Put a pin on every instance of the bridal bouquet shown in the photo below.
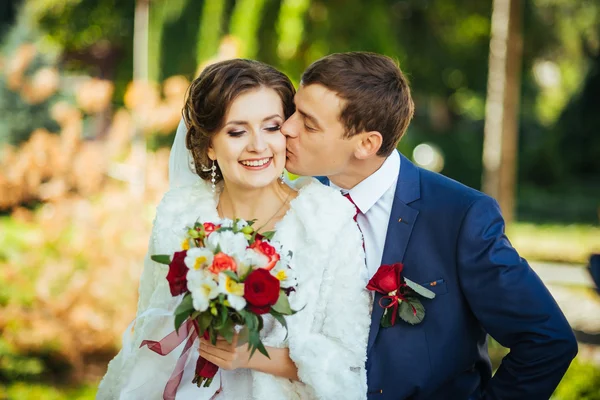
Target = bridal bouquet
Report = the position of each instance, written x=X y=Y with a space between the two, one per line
x=230 y=276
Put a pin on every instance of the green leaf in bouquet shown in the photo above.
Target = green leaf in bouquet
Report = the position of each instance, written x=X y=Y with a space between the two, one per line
x=261 y=323
x=227 y=331
x=411 y=310
x=386 y=319
x=283 y=304
x=253 y=339
x=161 y=259
x=256 y=344
x=251 y=222
x=232 y=275
x=224 y=313
x=262 y=349
x=250 y=319
x=194 y=234
x=419 y=289
x=204 y=321
x=212 y=334
x=268 y=235
x=183 y=310
x=281 y=319
x=243 y=336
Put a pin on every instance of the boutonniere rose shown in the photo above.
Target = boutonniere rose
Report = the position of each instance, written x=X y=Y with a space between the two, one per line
x=401 y=295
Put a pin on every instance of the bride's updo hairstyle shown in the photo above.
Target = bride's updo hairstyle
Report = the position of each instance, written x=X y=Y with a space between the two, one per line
x=210 y=95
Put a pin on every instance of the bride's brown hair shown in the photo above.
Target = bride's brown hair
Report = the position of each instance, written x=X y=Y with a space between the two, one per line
x=210 y=95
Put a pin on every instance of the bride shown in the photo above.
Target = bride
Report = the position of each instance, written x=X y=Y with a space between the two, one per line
x=233 y=114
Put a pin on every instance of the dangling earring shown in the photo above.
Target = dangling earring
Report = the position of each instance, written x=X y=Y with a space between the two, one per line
x=282 y=177
x=213 y=176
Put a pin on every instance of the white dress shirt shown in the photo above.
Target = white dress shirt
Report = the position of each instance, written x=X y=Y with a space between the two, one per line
x=374 y=198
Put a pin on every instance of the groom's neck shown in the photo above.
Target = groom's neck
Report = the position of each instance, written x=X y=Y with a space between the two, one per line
x=356 y=172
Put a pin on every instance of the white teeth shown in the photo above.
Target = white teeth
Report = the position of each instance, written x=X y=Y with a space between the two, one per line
x=257 y=163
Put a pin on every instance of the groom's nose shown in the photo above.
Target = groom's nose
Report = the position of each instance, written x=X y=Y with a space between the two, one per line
x=289 y=127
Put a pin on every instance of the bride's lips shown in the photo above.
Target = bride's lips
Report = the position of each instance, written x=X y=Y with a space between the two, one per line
x=263 y=163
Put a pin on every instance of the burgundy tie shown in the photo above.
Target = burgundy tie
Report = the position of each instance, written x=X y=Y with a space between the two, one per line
x=347 y=195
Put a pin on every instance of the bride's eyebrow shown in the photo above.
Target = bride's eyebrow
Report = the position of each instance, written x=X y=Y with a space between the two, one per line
x=247 y=123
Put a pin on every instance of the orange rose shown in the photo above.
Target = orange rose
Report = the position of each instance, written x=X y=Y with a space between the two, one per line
x=222 y=262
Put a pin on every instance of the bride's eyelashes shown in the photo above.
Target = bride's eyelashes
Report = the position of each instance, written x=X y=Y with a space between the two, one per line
x=275 y=128
x=236 y=133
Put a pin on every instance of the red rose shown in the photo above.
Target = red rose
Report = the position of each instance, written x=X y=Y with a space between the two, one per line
x=222 y=262
x=176 y=275
x=205 y=372
x=261 y=291
x=267 y=250
x=209 y=228
x=386 y=279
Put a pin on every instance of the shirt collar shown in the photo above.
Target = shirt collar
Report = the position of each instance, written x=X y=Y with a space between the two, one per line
x=370 y=190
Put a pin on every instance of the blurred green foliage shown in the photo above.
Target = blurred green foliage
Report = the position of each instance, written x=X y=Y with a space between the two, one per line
x=581 y=382
x=20 y=118
x=442 y=45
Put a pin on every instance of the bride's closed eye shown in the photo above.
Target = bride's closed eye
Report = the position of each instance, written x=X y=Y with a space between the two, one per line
x=275 y=128
x=236 y=133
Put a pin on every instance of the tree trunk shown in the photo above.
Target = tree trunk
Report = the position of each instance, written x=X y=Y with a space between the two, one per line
x=502 y=104
x=140 y=74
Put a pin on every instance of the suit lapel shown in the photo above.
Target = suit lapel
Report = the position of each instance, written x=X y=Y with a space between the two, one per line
x=402 y=220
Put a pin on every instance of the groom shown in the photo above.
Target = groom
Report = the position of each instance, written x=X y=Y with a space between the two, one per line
x=352 y=110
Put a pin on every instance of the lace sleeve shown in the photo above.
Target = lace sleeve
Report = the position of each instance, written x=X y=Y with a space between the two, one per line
x=136 y=371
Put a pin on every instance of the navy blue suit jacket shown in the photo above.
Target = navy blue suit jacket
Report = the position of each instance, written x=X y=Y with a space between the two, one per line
x=451 y=239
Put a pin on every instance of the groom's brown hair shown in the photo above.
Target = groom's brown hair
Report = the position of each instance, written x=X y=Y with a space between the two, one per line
x=376 y=94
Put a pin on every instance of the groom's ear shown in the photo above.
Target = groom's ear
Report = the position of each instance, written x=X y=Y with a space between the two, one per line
x=367 y=144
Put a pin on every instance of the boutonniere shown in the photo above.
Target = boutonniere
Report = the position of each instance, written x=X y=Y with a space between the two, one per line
x=401 y=295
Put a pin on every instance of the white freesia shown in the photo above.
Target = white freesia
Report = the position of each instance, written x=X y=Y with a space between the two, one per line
x=198 y=258
x=285 y=275
x=253 y=258
x=203 y=288
x=226 y=222
x=232 y=244
x=233 y=290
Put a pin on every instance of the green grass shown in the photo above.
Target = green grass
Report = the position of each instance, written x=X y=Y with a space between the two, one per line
x=37 y=391
x=554 y=242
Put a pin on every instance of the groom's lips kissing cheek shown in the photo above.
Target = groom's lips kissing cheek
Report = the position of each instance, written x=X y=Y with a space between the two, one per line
x=257 y=164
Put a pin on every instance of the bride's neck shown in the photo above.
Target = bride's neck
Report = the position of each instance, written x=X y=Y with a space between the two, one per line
x=260 y=204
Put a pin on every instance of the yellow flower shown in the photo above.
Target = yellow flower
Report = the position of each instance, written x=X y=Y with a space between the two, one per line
x=185 y=245
x=199 y=262
x=281 y=275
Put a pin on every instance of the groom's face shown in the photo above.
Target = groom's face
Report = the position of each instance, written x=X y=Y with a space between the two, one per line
x=315 y=136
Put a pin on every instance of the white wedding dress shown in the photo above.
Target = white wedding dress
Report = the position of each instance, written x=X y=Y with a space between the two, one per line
x=327 y=339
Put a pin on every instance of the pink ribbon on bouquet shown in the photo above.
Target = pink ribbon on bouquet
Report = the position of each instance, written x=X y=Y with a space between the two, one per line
x=170 y=343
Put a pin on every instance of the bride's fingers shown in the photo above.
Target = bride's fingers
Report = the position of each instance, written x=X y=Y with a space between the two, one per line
x=220 y=352
x=218 y=349
x=221 y=344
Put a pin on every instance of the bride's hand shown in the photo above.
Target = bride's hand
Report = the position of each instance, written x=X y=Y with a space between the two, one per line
x=225 y=355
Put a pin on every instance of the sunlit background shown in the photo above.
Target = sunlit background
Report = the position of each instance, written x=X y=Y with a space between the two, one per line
x=507 y=101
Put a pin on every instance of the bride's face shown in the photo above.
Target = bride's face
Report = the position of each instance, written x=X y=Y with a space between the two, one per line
x=250 y=149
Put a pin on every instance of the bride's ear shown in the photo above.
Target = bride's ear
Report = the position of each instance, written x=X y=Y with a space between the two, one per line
x=211 y=153
x=367 y=144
